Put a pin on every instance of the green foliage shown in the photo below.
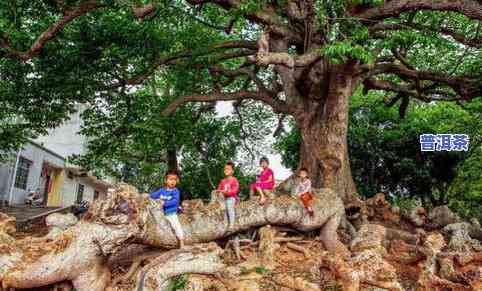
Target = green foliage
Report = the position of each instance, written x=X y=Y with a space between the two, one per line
x=333 y=286
x=288 y=145
x=386 y=154
x=250 y=6
x=404 y=203
x=258 y=269
x=129 y=133
x=385 y=151
x=177 y=283
x=261 y=270
x=339 y=52
x=465 y=193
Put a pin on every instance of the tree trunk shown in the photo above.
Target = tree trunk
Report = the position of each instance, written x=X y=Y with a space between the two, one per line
x=172 y=164
x=324 y=127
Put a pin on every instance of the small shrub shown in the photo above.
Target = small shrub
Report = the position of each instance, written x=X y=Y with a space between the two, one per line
x=261 y=270
x=178 y=283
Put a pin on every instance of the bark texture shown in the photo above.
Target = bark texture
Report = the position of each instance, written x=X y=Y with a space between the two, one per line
x=199 y=259
x=324 y=148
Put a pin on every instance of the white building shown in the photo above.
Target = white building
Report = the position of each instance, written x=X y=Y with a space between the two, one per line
x=65 y=140
x=42 y=165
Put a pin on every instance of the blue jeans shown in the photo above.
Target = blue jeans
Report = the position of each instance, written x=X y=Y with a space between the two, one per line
x=230 y=201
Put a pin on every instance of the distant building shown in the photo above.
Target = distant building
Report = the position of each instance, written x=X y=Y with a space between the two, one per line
x=36 y=168
x=65 y=139
x=42 y=165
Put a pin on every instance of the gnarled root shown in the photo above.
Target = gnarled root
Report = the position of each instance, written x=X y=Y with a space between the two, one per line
x=73 y=255
x=95 y=277
x=366 y=265
x=464 y=259
x=460 y=239
x=200 y=259
x=297 y=283
x=58 y=222
x=429 y=279
x=78 y=253
x=329 y=237
x=268 y=247
x=7 y=224
x=441 y=216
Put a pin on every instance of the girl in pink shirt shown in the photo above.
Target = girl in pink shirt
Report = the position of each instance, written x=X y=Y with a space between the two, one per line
x=229 y=186
x=265 y=180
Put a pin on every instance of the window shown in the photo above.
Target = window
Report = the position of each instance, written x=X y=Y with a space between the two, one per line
x=96 y=194
x=21 y=177
x=80 y=193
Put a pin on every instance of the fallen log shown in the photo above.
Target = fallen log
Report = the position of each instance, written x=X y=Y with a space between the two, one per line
x=79 y=253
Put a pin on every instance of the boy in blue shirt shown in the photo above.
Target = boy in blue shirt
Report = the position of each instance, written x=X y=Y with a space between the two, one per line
x=170 y=196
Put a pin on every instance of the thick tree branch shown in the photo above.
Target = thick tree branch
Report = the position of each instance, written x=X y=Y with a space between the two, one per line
x=374 y=84
x=406 y=90
x=470 y=8
x=277 y=105
x=262 y=17
x=239 y=72
x=48 y=34
x=402 y=59
x=280 y=127
x=466 y=86
x=472 y=42
x=290 y=61
x=246 y=48
x=142 y=12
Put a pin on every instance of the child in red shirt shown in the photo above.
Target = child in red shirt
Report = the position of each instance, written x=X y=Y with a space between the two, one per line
x=229 y=187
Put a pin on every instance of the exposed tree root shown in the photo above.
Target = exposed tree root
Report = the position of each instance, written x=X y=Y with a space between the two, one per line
x=114 y=236
x=268 y=247
x=297 y=283
x=298 y=248
x=136 y=263
x=79 y=252
x=464 y=259
x=460 y=239
x=7 y=224
x=200 y=259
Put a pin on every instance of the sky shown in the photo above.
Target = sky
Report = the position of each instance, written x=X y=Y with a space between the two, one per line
x=224 y=108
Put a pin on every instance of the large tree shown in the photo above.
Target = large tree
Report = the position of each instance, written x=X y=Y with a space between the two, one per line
x=302 y=58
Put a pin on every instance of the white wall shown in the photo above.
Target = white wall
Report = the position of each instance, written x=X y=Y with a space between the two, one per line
x=6 y=172
x=69 y=191
x=65 y=140
x=70 y=187
x=37 y=156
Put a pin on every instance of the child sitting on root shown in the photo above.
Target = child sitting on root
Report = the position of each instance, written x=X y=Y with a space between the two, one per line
x=303 y=190
x=229 y=187
x=170 y=196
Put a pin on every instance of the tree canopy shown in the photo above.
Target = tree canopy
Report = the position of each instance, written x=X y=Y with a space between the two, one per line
x=303 y=59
